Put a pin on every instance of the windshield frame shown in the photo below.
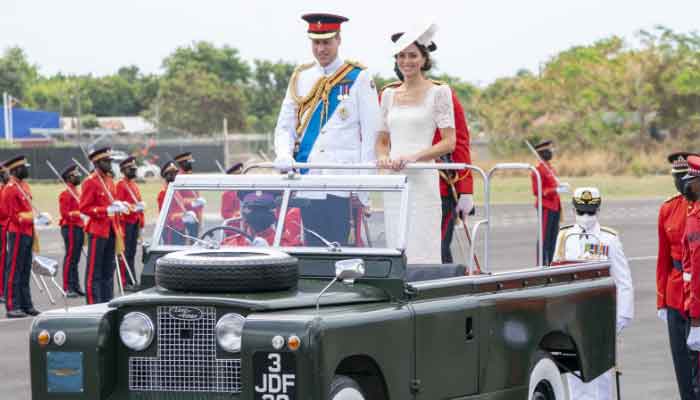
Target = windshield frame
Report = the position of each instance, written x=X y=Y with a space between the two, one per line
x=287 y=184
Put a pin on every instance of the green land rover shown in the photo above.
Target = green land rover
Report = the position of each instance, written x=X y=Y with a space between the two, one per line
x=281 y=312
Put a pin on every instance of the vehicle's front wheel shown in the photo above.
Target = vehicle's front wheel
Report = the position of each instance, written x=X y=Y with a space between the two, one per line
x=345 y=388
x=546 y=382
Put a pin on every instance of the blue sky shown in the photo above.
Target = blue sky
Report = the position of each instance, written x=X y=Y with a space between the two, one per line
x=478 y=41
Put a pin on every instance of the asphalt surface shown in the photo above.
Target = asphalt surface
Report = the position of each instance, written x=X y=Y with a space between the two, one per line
x=645 y=358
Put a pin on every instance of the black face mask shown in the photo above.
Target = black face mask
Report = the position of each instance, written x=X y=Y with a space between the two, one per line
x=546 y=154
x=130 y=173
x=259 y=218
x=678 y=182
x=688 y=192
x=186 y=166
x=104 y=165
x=74 y=180
x=170 y=177
x=22 y=172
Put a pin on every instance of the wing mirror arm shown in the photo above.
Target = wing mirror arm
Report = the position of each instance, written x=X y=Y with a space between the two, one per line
x=346 y=271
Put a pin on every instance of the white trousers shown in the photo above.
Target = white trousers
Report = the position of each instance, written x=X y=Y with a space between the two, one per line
x=601 y=388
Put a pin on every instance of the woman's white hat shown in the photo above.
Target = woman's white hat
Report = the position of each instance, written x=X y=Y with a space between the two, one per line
x=421 y=33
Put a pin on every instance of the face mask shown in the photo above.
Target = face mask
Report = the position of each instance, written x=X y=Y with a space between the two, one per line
x=74 y=180
x=130 y=173
x=587 y=222
x=546 y=155
x=22 y=173
x=678 y=182
x=169 y=177
x=186 y=166
x=259 y=218
x=105 y=166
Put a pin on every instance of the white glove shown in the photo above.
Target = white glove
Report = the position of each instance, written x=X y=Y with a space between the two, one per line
x=189 y=217
x=115 y=208
x=260 y=242
x=693 y=341
x=662 y=313
x=563 y=188
x=622 y=323
x=199 y=202
x=140 y=206
x=465 y=204
x=283 y=163
x=44 y=219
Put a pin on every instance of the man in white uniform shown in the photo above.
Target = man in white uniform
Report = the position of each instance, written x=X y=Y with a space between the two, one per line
x=587 y=240
x=330 y=114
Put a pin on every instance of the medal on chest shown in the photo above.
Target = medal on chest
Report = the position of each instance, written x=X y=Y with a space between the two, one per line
x=344 y=94
x=593 y=251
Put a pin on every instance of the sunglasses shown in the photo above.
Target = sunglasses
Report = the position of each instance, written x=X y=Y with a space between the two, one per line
x=591 y=213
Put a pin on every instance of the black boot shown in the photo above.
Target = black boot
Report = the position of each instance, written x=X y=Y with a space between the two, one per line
x=16 y=314
x=32 y=311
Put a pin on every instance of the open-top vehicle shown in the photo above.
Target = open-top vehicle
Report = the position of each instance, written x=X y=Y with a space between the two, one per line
x=280 y=312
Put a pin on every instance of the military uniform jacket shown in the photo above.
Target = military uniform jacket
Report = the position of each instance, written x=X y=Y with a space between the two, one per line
x=550 y=197
x=129 y=192
x=691 y=261
x=19 y=207
x=601 y=244
x=94 y=201
x=69 y=208
x=349 y=134
x=669 y=260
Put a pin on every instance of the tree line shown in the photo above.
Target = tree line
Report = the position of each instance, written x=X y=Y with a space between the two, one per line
x=610 y=92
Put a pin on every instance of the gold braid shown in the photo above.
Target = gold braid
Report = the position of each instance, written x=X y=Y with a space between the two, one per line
x=319 y=92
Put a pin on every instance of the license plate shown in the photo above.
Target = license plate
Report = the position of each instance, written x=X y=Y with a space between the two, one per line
x=275 y=376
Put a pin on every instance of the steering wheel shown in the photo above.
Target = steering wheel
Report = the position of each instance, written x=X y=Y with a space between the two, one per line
x=211 y=231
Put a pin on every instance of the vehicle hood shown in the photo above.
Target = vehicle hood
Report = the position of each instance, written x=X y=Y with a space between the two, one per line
x=304 y=295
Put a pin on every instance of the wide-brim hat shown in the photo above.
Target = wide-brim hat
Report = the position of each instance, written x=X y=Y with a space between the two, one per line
x=396 y=36
x=101 y=154
x=16 y=162
x=421 y=33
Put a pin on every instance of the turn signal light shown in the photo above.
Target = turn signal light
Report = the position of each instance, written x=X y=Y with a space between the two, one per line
x=293 y=343
x=44 y=338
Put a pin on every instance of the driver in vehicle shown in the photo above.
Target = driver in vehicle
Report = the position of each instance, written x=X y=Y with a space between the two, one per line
x=260 y=214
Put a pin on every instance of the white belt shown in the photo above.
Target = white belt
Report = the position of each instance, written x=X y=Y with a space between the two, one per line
x=686 y=277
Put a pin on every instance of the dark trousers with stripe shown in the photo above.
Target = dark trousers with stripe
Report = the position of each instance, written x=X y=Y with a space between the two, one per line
x=18 y=272
x=329 y=218
x=685 y=361
x=73 y=238
x=99 y=276
x=550 y=230
x=3 y=256
x=447 y=227
x=131 y=242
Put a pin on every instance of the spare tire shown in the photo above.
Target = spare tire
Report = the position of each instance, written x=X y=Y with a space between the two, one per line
x=228 y=270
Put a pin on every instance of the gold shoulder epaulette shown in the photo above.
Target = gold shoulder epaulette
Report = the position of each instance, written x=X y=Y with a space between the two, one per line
x=355 y=64
x=391 y=85
x=609 y=230
x=565 y=227
x=437 y=82
x=303 y=67
x=672 y=198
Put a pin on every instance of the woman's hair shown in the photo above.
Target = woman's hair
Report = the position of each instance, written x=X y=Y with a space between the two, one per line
x=424 y=51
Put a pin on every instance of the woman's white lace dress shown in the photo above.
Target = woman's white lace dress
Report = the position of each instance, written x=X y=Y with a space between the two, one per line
x=412 y=128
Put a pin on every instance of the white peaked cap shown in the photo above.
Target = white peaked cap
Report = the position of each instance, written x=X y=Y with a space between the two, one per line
x=595 y=193
x=421 y=33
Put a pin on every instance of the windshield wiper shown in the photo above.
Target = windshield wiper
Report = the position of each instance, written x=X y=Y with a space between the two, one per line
x=332 y=246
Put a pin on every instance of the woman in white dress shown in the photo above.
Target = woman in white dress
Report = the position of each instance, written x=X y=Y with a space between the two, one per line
x=410 y=114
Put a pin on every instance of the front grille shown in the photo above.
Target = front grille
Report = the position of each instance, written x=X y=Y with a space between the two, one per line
x=186 y=360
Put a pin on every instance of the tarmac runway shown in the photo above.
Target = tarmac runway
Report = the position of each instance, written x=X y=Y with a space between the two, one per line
x=645 y=358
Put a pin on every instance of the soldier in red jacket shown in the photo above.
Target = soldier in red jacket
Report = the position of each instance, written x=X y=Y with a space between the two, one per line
x=259 y=218
x=174 y=224
x=71 y=229
x=230 y=203
x=551 y=204
x=98 y=202
x=3 y=231
x=669 y=275
x=691 y=266
x=191 y=199
x=456 y=187
x=17 y=197
x=132 y=223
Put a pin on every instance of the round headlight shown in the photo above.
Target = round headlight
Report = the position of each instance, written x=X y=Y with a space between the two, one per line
x=136 y=331
x=229 y=330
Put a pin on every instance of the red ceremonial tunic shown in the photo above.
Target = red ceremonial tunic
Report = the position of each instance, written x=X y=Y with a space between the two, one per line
x=291 y=236
x=691 y=261
x=175 y=210
x=3 y=208
x=129 y=192
x=550 y=197
x=94 y=201
x=19 y=208
x=69 y=207
x=230 y=205
x=464 y=182
x=669 y=279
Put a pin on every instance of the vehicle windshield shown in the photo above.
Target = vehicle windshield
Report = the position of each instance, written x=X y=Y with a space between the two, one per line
x=244 y=217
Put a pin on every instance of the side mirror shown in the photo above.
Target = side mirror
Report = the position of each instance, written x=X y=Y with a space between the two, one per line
x=349 y=270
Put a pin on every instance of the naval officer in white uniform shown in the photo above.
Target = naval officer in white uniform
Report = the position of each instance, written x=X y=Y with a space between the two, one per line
x=587 y=240
x=330 y=114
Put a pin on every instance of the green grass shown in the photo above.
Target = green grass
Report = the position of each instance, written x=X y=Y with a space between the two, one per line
x=505 y=189
x=518 y=189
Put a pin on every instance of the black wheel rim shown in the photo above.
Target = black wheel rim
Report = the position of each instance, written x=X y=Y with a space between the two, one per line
x=543 y=391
